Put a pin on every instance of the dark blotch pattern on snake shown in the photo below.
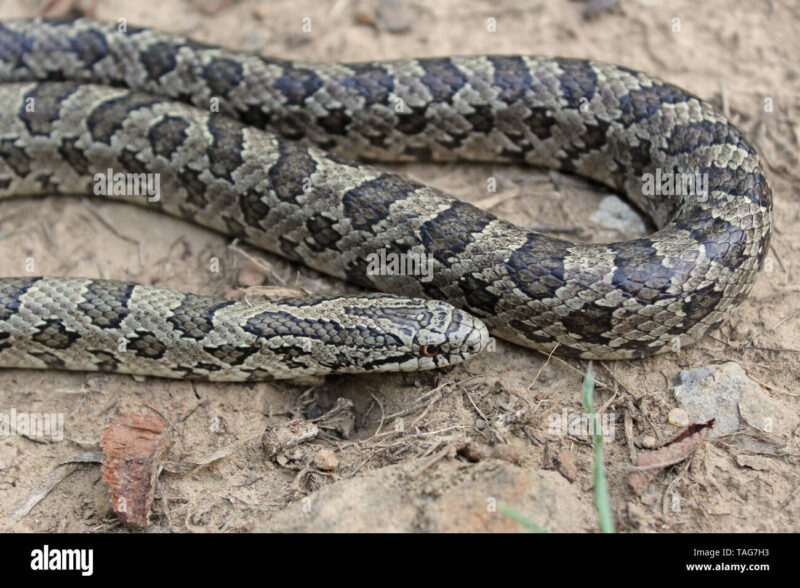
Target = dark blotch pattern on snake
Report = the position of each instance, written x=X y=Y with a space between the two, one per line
x=142 y=99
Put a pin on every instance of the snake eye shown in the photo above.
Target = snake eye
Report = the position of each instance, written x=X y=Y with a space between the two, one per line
x=430 y=350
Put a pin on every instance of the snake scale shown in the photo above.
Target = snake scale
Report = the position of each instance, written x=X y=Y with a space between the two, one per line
x=275 y=168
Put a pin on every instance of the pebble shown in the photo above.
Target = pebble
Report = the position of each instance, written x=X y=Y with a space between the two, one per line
x=326 y=460
x=678 y=417
x=726 y=394
x=649 y=442
x=566 y=466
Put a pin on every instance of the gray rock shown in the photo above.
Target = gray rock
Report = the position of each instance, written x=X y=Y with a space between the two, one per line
x=726 y=394
x=614 y=213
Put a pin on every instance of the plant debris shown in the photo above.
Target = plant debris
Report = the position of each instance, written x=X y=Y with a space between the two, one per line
x=132 y=446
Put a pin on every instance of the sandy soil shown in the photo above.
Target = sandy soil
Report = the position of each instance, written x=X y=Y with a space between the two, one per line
x=740 y=55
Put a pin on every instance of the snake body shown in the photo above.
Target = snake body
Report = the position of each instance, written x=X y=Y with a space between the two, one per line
x=274 y=168
x=104 y=325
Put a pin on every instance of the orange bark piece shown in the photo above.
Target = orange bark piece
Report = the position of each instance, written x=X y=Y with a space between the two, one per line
x=132 y=446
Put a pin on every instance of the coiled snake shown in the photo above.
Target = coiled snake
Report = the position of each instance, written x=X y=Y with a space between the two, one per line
x=79 y=98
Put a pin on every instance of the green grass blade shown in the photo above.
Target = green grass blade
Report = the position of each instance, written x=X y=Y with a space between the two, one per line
x=520 y=518
x=602 y=499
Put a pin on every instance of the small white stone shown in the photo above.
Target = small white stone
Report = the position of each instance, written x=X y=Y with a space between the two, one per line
x=326 y=460
x=649 y=442
x=678 y=417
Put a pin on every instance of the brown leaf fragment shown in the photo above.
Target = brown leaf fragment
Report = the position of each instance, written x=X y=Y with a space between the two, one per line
x=566 y=466
x=673 y=451
x=132 y=447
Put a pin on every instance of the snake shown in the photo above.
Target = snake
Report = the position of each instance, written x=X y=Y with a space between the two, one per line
x=285 y=155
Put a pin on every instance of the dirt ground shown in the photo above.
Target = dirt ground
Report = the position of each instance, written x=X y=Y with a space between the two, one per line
x=435 y=451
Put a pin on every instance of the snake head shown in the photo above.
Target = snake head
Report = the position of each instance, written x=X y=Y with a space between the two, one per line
x=368 y=333
x=414 y=335
x=315 y=336
x=445 y=336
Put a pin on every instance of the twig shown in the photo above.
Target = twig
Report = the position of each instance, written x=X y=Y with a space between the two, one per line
x=671 y=485
x=544 y=365
x=259 y=263
x=164 y=502
x=107 y=224
x=578 y=371
x=475 y=406
x=430 y=461
x=51 y=480
x=383 y=414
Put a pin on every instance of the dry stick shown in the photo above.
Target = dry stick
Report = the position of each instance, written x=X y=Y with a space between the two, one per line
x=478 y=410
x=789 y=316
x=96 y=212
x=368 y=458
x=366 y=414
x=656 y=466
x=382 y=448
x=261 y=506
x=46 y=232
x=259 y=263
x=792 y=493
x=610 y=400
x=582 y=373
x=771 y=387
x=485 y=418
x=760 y=348
x=359 y=442
x=164 y=503
x=777 y=257
x=429 y=462
x=421 y=400
x=628 y=428
x=544 y=365
x=434 y=399
x=755 y=433
x=193 y=410
x=617 y=384
x=184 y=468
x=383 y=414
x=51 y=480
x=439 y=396
x=298 y=479
x=163 y=418
x=672 y=484
x=492 y=201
